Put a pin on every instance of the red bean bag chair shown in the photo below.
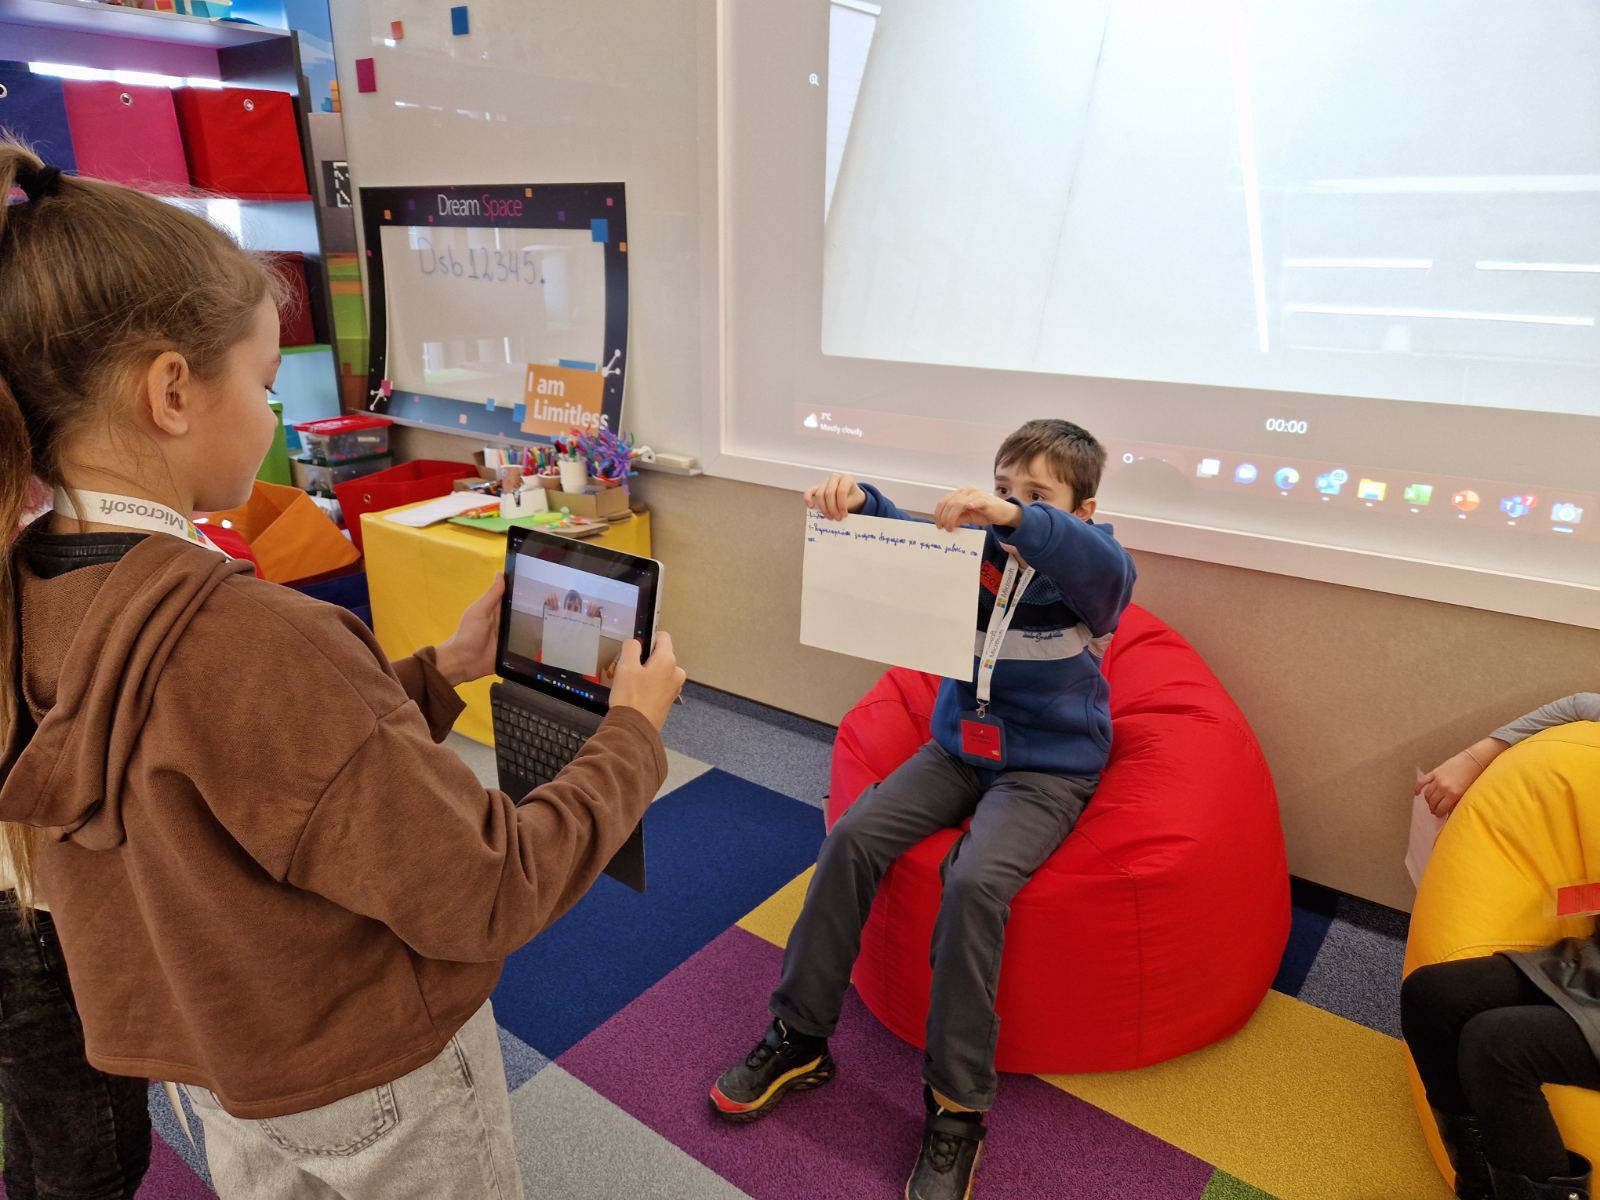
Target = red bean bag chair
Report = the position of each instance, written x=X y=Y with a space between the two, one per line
x=1159 y=924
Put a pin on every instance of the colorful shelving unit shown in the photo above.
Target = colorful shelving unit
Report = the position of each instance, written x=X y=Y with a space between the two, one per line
x=174 y=47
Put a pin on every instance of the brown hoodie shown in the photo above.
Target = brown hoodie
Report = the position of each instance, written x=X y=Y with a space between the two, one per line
x=267 y=877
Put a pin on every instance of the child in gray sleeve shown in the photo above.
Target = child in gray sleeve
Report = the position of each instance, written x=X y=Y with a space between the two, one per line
x=1444 y=786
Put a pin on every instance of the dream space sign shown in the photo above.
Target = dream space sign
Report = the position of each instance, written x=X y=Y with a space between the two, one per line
x=498 y=310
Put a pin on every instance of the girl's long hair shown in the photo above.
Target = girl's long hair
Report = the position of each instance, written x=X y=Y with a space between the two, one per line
x=96 y=280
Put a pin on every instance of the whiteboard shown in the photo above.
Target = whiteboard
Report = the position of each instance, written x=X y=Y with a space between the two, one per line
x=498 y=309
x=470 y=309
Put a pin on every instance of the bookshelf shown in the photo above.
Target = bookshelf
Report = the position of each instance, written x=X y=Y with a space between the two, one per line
x=71 y=33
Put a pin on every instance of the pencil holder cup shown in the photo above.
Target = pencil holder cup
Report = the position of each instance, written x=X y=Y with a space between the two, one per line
x=574 y=475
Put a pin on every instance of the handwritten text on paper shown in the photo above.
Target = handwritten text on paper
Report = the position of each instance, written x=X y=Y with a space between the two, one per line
x=900 y=592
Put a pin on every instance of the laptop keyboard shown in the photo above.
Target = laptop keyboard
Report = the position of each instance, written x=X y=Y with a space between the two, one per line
x=531 y=748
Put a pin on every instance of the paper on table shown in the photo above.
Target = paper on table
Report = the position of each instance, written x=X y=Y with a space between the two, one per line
x=1425 y=829
x=899 y=592
x=441 y=509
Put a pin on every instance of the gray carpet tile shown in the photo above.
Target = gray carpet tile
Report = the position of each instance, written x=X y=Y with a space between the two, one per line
x=522 y=1061
x=1377 y=918
x=681 y=769
x=1357 y=971
x=574 y=1144
x=777 y=750
x=817 y=731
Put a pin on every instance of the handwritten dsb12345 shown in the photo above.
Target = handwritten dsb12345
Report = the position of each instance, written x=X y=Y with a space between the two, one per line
x=492 y=266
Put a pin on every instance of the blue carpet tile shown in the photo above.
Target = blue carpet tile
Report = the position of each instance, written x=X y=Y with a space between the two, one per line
x=1314 y=907
x=715 y=848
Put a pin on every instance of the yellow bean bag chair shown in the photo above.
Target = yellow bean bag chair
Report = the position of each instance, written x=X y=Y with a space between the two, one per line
x=1529 y=825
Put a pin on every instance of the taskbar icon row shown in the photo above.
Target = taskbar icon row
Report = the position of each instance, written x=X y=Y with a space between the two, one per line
x=1563 y=511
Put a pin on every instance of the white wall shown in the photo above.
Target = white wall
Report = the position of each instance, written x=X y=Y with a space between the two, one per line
x=556 y=91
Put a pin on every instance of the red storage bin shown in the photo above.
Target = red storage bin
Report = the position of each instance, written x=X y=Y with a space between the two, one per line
x=126 y=134
x=242 y=141
x=335 y=440
x=409 y=483
x=295 y=327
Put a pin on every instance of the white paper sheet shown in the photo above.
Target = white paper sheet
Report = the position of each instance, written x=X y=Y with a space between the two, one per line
x=441 y=509
x=571 y=642
x=898 y=592
x=1425 y=829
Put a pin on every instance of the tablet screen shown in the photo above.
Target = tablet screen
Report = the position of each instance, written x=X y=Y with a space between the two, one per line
x=569 y=610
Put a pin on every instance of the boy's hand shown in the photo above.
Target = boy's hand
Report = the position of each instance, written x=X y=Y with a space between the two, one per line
x=836 y=498
x=973 y=506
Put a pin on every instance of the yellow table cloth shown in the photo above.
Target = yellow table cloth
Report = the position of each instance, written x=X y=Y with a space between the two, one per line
x=421 y=580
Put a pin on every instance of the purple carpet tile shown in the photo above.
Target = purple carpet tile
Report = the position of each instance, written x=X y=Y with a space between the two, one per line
x=171 y=1179
x=857 y=1136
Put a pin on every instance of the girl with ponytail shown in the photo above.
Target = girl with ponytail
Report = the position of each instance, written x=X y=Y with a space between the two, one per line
x=271 y=885
x=69 y=1129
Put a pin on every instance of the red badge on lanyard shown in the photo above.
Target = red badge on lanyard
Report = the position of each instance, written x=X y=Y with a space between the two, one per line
x=983 y=740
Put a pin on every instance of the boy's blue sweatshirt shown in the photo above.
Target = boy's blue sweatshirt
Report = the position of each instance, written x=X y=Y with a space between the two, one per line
x=1048 y=687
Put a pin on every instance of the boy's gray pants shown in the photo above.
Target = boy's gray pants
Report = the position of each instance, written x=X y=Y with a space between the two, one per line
x=1019 y=818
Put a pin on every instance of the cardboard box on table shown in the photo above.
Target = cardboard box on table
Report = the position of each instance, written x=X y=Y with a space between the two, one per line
x=596 y=501
x=597 y=504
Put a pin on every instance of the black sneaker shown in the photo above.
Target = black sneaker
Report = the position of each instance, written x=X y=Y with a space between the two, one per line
x=952 y=1144
x=783 y=1061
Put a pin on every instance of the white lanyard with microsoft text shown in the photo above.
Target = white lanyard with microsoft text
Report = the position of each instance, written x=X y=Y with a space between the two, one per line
x=983 y=736
x=130 y=512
